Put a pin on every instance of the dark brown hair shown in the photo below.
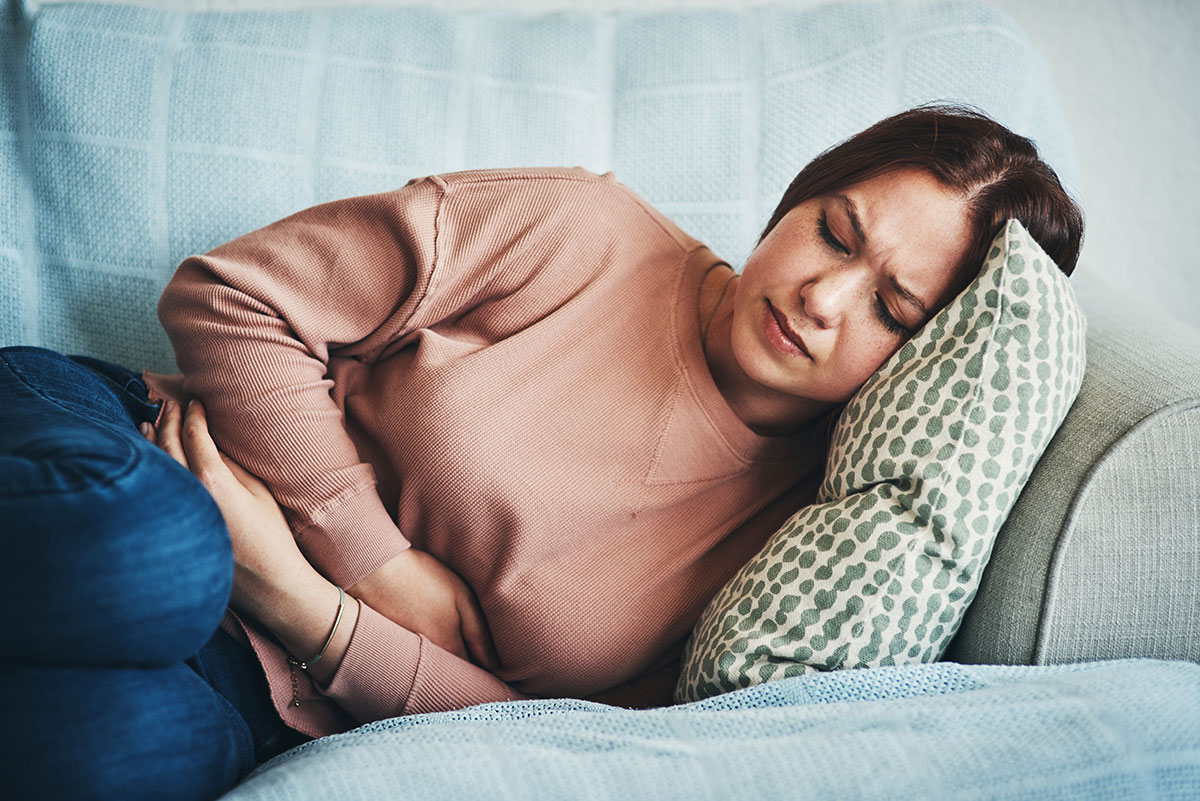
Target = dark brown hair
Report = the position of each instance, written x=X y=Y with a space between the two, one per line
x=997 y=171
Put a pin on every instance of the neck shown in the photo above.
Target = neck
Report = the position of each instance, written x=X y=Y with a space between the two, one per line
x=765 y=411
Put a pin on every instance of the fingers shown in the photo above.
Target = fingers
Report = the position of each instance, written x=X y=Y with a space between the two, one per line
x=475 y=634
x=185 y=438
x=201 y=452
x=450 y=643
x=460 y=651
x=168 y=437
x=245 y=477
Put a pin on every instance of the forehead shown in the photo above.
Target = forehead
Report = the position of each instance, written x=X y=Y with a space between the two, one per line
x=916 y=229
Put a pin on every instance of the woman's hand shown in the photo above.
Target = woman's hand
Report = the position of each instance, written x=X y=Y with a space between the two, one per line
x=265 y=554
x=272 y=581
x=420 y=593
x=275 y=584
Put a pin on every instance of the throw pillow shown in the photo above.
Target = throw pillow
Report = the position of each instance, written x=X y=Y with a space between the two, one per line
x=926 y=461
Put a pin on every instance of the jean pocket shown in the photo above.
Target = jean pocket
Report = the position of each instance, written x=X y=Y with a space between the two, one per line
x=128 y=387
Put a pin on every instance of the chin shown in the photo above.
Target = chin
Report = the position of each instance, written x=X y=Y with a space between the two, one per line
x=754 y=360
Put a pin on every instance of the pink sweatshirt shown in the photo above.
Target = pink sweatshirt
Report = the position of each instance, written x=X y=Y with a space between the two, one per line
x=502 y=368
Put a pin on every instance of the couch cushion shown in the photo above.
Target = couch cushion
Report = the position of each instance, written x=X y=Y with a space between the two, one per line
x=927 y=459
x=133 y=137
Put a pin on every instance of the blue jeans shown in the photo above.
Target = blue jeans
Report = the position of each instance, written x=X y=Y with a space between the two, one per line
x=115 y=681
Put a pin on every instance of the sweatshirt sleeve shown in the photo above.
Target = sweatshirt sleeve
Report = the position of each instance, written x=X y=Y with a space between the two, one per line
x=388 y=670
x=253 y=324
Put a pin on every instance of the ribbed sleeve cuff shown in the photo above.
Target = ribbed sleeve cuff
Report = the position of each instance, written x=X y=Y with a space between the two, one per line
x=376 y=675
x=349 y=541
x=444 y=682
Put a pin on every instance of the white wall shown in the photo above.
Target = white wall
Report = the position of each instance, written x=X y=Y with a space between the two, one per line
x=1125 y=72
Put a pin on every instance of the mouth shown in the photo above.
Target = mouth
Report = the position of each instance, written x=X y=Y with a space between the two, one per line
x=790 y=337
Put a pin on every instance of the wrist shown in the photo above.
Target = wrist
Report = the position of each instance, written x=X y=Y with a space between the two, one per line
x=281 y=602
x=383 y=578
x=317 y=628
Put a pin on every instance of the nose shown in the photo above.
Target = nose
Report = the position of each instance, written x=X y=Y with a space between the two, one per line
x=827 y=297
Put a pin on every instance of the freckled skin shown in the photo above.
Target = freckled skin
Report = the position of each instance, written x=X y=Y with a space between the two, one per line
x=916 y=231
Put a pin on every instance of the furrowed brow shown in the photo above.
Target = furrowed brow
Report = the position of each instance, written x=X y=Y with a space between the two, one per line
x=852 y=213
x=909 y=297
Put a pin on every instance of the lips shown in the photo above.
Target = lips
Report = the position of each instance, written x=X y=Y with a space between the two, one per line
x=787 y=329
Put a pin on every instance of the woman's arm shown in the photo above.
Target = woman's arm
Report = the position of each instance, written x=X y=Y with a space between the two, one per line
x=278 y=587
x=412 y=589
x=264 y=325
x=255 y=324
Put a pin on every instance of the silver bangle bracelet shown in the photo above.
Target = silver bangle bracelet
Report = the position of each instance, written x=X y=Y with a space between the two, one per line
x=309 y=663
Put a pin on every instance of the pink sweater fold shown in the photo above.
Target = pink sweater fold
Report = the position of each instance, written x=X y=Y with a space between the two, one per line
x=502 y=368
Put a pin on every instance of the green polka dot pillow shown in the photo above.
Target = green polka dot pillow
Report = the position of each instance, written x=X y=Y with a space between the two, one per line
x=926 y=461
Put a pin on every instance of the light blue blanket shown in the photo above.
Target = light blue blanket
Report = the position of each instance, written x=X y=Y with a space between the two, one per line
x=1126 y=729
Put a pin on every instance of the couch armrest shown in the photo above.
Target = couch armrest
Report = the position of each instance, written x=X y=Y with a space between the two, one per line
x=1100 y=557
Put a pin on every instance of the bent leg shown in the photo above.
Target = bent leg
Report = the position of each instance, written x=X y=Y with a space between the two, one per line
x=128 y=733
x=121 y=555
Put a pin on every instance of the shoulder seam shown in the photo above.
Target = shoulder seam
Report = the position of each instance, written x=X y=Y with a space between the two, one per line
x=435 y=258
x=593 y=178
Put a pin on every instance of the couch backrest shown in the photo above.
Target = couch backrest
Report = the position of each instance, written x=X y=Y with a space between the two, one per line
x=133 y=137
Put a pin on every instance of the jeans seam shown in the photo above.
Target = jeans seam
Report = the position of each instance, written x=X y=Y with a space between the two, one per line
x=133 y=380
x=111 y=382
x=131 y=462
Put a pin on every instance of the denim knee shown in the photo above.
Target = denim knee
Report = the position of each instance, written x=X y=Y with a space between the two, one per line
x=103 y=733
x=122 y=552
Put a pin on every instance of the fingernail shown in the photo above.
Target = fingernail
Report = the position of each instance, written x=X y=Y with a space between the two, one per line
x=191 y=403
x=144 y=428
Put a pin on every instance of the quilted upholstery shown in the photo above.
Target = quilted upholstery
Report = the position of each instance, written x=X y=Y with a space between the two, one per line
x=133 y=137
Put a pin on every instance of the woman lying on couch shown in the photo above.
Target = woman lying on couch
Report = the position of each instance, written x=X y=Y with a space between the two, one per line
x=494 y=435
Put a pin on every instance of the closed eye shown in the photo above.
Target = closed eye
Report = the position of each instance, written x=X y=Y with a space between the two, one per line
x=885 y=317
x=827 y=235
x=881 y=310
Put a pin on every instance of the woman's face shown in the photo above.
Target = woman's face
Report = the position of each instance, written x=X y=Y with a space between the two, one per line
x=848 y=275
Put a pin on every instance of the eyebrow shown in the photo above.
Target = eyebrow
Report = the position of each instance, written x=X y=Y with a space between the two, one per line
x=909 y=297
x=852 y=212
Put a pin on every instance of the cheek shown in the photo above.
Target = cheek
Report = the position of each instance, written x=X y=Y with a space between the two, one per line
x=744 y=332
x=867 y=355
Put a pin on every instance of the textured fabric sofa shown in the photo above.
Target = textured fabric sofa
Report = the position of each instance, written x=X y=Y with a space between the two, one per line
x=132 y=137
